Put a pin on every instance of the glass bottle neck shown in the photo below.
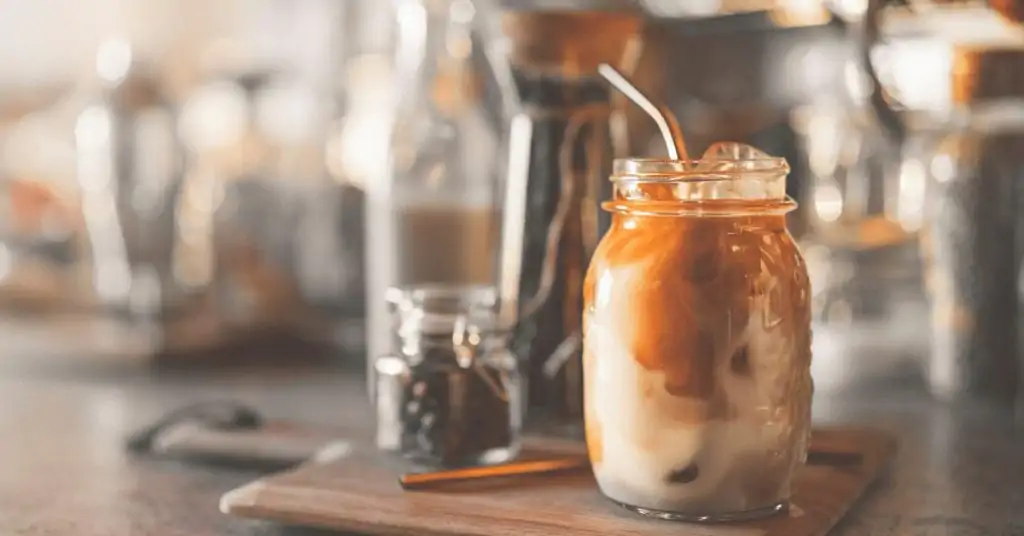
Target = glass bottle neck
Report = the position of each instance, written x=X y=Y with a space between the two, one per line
x=434 y=50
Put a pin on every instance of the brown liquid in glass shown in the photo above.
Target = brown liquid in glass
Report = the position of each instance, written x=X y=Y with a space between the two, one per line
x=691 y=285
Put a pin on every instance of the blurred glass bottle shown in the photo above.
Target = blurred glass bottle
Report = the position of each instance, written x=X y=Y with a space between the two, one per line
x=432 y=218
x=240 y=213
x=974 y=239
x=130 y=166
x=268 y=130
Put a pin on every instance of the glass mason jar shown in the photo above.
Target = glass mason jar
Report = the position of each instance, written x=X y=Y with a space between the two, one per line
x=697 y=385
x=450 y=393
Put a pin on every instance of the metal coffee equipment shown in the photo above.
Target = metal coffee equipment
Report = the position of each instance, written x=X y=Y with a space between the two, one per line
x=967 y=142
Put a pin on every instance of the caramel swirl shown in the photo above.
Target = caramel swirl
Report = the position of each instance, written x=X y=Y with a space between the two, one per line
x=696 y=281
x=697 y=348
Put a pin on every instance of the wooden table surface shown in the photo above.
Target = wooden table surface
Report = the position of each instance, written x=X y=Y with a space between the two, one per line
x=960 y=470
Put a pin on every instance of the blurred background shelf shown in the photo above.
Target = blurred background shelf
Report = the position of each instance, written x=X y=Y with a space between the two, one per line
x=181 y=174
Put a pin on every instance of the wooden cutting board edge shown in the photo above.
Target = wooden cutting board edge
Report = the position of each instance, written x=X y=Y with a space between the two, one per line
x=294 y=505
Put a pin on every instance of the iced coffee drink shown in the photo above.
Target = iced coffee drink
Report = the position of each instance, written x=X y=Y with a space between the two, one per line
x=697 y=339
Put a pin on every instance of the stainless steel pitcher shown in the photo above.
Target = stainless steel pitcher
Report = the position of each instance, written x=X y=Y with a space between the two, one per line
x=973 y=233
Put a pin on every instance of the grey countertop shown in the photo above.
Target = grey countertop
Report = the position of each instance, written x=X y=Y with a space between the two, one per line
x=63 y=471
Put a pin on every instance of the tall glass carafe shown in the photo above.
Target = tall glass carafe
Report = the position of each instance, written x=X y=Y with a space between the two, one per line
x=431 y=218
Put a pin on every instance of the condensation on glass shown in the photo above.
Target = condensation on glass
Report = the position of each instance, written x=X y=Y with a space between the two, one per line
x=697 y=339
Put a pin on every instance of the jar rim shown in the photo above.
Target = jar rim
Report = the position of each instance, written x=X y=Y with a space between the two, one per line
x=483 y=296
x=703 y=208
x=720 y=169
x=439 y=308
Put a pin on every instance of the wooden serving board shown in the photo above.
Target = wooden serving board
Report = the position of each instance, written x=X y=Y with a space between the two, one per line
x=359 y=492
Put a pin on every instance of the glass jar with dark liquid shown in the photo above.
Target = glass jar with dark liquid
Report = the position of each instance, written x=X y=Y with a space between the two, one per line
x=449 y=394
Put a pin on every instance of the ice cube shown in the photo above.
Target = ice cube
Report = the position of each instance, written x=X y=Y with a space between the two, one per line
x=724 y=157
x=732 y=158
x=732 y=151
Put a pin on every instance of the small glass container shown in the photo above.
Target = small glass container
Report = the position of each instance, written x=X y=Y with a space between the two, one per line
x=448 y=395
x=697 y=343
